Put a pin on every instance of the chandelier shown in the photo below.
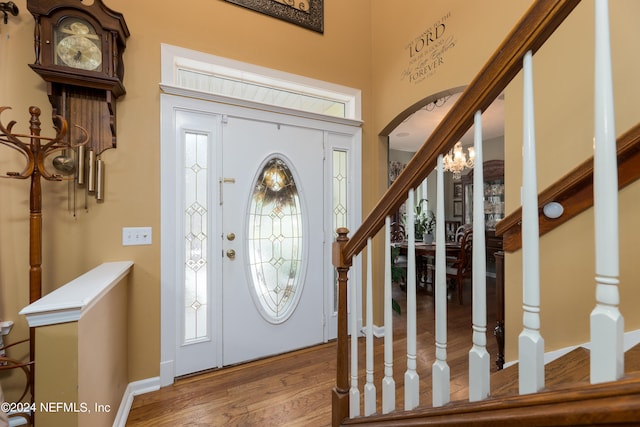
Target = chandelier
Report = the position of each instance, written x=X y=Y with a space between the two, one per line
x=456 y=160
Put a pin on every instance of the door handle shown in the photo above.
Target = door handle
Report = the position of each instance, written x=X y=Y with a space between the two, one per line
x=225 y=181
x=231 y=254
x=231 y=236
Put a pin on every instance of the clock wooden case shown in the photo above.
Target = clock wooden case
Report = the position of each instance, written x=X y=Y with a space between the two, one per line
x=78 y=53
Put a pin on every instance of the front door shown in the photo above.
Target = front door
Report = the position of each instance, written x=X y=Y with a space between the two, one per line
x=272 y=238
x=249 y=258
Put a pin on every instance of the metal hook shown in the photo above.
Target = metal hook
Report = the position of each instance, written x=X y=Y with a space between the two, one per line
x=8 y=7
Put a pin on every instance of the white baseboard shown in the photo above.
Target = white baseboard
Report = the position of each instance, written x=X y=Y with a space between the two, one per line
x=134 y=389
x=378 y=331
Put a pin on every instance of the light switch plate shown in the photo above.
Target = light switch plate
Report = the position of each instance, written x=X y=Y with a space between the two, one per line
x=132 y=236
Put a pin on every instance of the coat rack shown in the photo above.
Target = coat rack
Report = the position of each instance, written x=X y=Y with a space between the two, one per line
x=36 y=152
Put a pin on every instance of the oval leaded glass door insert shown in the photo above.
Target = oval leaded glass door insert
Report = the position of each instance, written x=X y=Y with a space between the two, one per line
x=275 y=240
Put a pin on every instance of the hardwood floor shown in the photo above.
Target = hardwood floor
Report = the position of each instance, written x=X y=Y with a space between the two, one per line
x=294 y=389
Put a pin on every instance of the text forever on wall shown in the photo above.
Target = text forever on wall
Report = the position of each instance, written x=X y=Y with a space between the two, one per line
x=427 y=51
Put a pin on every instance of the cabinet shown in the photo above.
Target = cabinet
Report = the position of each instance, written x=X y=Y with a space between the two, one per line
x=493 y=202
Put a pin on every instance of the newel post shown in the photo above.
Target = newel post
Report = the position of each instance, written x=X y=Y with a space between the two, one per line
x=340 y=400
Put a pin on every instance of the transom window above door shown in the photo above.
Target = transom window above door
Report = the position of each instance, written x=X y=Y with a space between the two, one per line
x=228 y=78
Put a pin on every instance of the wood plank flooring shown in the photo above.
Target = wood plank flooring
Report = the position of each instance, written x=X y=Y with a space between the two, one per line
x=294 y=389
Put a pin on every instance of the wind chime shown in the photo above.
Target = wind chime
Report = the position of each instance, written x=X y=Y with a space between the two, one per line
x=37 y=152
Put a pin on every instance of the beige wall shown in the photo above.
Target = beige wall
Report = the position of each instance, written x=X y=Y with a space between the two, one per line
x=57 y=374
x=472 y=32
x=102 y=357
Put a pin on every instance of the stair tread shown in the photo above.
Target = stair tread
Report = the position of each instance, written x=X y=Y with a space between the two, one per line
x=632 y=359
x=573 y=367
x=569 y=368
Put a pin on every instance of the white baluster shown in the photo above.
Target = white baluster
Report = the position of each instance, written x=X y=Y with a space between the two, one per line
x=354 y=392
x=388 y=383
x=423 y=192
x=440 y=371
x=530 y=342
x=478 y=356
x=369 y=388
x=607 y=324
x=411 y=379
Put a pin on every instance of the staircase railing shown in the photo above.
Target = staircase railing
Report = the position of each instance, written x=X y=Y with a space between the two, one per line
x=512 y=56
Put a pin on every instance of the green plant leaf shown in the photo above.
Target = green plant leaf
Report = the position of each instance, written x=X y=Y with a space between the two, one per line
x=395 y=306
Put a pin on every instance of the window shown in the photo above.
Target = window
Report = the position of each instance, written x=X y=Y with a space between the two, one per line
x=275 y=241
x=233 y=79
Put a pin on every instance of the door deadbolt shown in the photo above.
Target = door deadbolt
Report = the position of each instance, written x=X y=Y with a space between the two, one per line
x=231 y=254
x=231 y=236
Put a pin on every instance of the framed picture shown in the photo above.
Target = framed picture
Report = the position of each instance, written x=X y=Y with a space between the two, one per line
x=457 y=208
x=457 y=191
x=306 y=13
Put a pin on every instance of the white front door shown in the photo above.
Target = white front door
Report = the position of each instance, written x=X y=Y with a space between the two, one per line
x=222 y=122
x=272 y=238
x=249 y=255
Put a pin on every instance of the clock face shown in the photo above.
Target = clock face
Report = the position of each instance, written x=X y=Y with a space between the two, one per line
x=77 y=45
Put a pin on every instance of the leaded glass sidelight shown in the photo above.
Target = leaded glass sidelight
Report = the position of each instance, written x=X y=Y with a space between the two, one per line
x=275 y=240
x=196 y=295
x=339 y=189
x=339 y=179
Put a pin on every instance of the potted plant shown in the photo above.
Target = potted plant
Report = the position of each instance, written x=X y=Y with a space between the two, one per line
x=425 y=221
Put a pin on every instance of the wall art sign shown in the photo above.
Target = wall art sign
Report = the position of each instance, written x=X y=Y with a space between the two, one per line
x=427 y=51
x=305 y=13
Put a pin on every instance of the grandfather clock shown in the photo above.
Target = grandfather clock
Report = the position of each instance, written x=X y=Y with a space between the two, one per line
x=78 y=53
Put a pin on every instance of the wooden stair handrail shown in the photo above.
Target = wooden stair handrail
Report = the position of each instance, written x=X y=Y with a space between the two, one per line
x=607 y=403
x=574 y=191
x=529 y=34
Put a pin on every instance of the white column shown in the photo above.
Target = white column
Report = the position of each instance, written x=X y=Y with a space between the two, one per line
x=530 y=342
x=369 y=388
x=440 y=370
x=411 y=379
x=478 y=356
x=354 y=392
x=607 y=324
x=388 y=383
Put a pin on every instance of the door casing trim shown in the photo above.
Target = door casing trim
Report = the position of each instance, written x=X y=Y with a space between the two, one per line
x=169 y=104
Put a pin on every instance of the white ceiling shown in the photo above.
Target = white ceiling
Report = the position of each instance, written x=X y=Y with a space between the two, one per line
x=414 y=131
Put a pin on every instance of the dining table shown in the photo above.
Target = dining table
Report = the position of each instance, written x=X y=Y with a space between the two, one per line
x=429 y=249
x=425 y=258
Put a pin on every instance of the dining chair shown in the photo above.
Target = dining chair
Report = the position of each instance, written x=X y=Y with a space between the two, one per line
x=460 y=267
x=458 y=238
x=397 y=232
x=399 y=261
x=460 y=231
